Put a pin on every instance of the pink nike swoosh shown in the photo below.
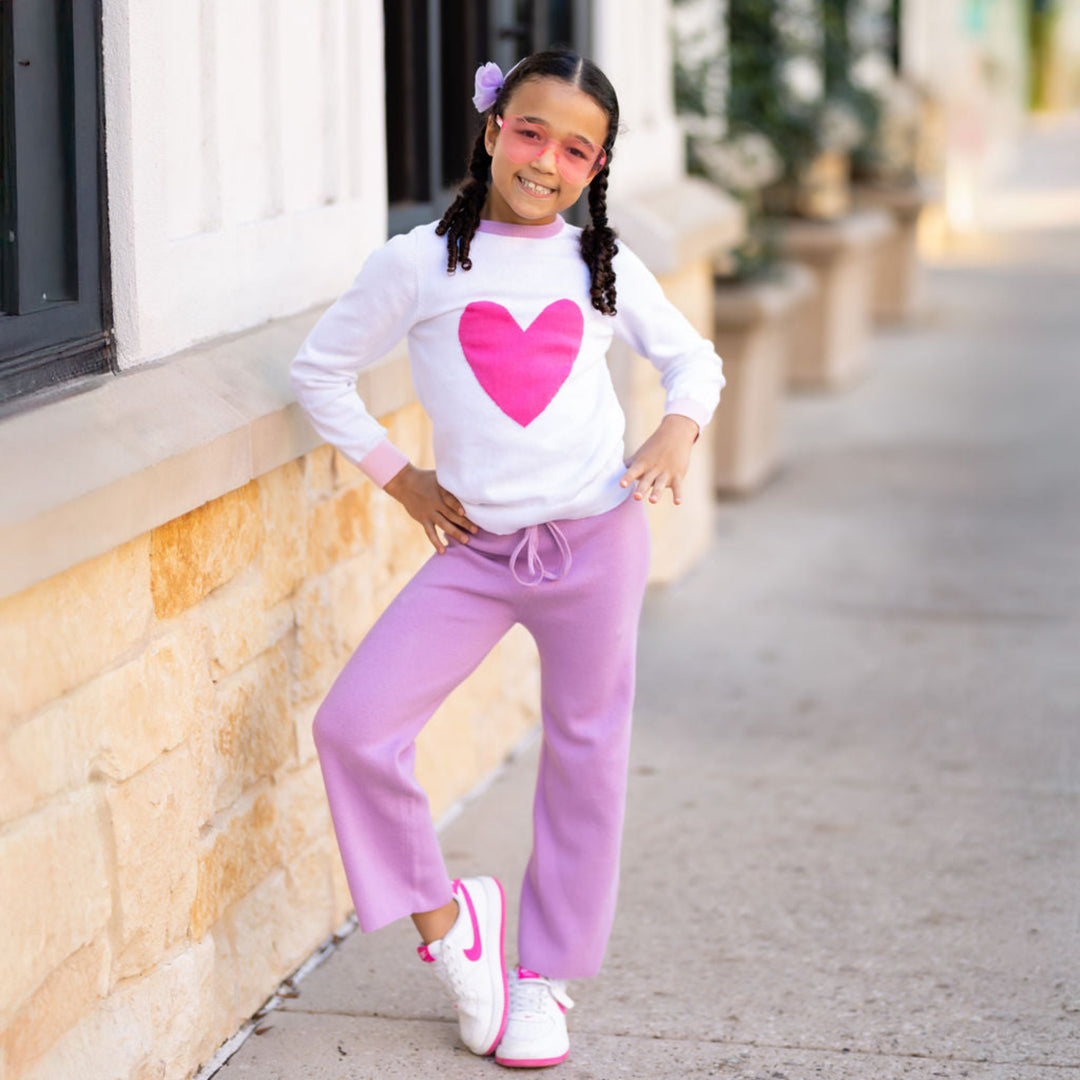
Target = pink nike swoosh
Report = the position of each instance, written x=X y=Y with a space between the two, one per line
x=476 y=950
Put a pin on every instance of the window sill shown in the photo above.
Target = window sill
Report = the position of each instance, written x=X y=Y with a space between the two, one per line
x=87 y=473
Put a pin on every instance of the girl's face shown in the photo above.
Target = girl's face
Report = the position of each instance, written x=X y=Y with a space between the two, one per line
x=533 y=192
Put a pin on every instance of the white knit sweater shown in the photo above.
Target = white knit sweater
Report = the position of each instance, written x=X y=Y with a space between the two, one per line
x=509 y=362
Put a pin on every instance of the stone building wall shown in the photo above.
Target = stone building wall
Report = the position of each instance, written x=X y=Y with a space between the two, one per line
x=166 y=853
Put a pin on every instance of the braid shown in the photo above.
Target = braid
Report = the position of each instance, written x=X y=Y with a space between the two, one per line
x=598 y=245
x=460 y=222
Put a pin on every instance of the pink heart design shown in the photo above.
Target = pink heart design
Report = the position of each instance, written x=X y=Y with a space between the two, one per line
x=521 y=370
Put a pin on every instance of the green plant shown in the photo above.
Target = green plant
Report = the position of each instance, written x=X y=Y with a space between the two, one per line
x=759 y=99
x=853 y=30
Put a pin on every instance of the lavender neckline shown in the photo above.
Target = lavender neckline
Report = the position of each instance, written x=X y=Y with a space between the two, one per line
x=529 y=232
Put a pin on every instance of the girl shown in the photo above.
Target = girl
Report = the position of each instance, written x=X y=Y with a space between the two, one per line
x=535 y=517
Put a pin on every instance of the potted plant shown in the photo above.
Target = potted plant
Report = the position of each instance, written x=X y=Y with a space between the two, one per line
x=756 y=294
x=792 y=57
x=776 y=89
x=884 y=159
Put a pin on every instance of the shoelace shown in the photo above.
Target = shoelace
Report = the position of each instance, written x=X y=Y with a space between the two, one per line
x=536 y=995
x=532 y=557
x=448 y=970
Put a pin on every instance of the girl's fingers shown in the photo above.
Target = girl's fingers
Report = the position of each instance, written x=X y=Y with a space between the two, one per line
x=459 y=519
x=451 y=528
x=451 y=501
x=457 y=511
x=633 y=471
x=646 y=483
x=433 y=536
x=658 y=487
x=676 y=489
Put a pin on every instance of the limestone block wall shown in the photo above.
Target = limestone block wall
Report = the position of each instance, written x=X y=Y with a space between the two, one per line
x=166 y=853
x=680 y=534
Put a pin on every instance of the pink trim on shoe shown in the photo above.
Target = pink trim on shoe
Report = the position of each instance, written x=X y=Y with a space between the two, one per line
x=502 y=964
x=424 y=954
x=476 y=950
x=525 y=973
x=530 y=1063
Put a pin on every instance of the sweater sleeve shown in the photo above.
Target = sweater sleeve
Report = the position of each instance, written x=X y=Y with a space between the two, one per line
x=690 y=370
x=360 y=327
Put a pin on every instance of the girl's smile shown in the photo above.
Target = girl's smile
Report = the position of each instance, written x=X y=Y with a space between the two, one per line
x=534 y=192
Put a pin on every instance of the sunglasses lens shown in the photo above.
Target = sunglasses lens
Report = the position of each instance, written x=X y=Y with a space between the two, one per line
x=576 y=160
x=524 y=142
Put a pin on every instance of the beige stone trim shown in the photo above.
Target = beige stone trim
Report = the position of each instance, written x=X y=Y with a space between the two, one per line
x=817 y=242
x=754 y=327
x=85 y=474
x=832 y=351
x=670 y=227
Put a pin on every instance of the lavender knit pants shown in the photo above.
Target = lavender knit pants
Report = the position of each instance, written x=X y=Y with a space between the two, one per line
x=577 y=586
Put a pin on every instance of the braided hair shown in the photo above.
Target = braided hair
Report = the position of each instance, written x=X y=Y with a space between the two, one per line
x=598 y=246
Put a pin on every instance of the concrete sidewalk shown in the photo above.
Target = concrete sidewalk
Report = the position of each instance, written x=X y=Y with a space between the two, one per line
x=852 y=844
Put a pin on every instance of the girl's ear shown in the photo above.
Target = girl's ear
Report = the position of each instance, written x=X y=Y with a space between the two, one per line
x=491 y=133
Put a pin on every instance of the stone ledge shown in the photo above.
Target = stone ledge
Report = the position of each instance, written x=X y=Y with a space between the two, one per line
x=820 y=241
x=670 y=227
x=743 y=303
x=87 y=473
x=903 y=201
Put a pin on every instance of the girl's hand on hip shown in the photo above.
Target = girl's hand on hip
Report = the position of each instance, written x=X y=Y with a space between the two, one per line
x=431 y=504
x=662 y=460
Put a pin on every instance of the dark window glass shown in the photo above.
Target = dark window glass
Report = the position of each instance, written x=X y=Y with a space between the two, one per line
x=52 y=316
x=463 y=49
x=560 y=21
x=407 y=120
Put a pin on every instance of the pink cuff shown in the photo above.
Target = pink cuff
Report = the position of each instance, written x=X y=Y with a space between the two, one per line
x=383 y=463
x=690 y=408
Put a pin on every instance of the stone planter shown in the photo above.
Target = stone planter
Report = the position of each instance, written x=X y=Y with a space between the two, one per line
x=754 y=323
x=896 y=271
x=831 y=350
x=678 y=231
x=821 y=193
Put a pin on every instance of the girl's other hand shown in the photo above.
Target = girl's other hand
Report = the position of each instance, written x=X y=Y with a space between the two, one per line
x=662 y=460
x=431 y=504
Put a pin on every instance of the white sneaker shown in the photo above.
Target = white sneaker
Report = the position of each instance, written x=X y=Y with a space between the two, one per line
x=469 y=962
x=536 y=1031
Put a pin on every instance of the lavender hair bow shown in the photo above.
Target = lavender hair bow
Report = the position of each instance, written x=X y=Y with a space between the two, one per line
x=489 y=81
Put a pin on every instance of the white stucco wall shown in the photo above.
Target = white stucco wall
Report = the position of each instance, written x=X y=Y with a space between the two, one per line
x=246 y=161
x=632 y=44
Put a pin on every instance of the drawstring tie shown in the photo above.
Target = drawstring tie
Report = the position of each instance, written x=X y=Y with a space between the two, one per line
x=535 y=566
